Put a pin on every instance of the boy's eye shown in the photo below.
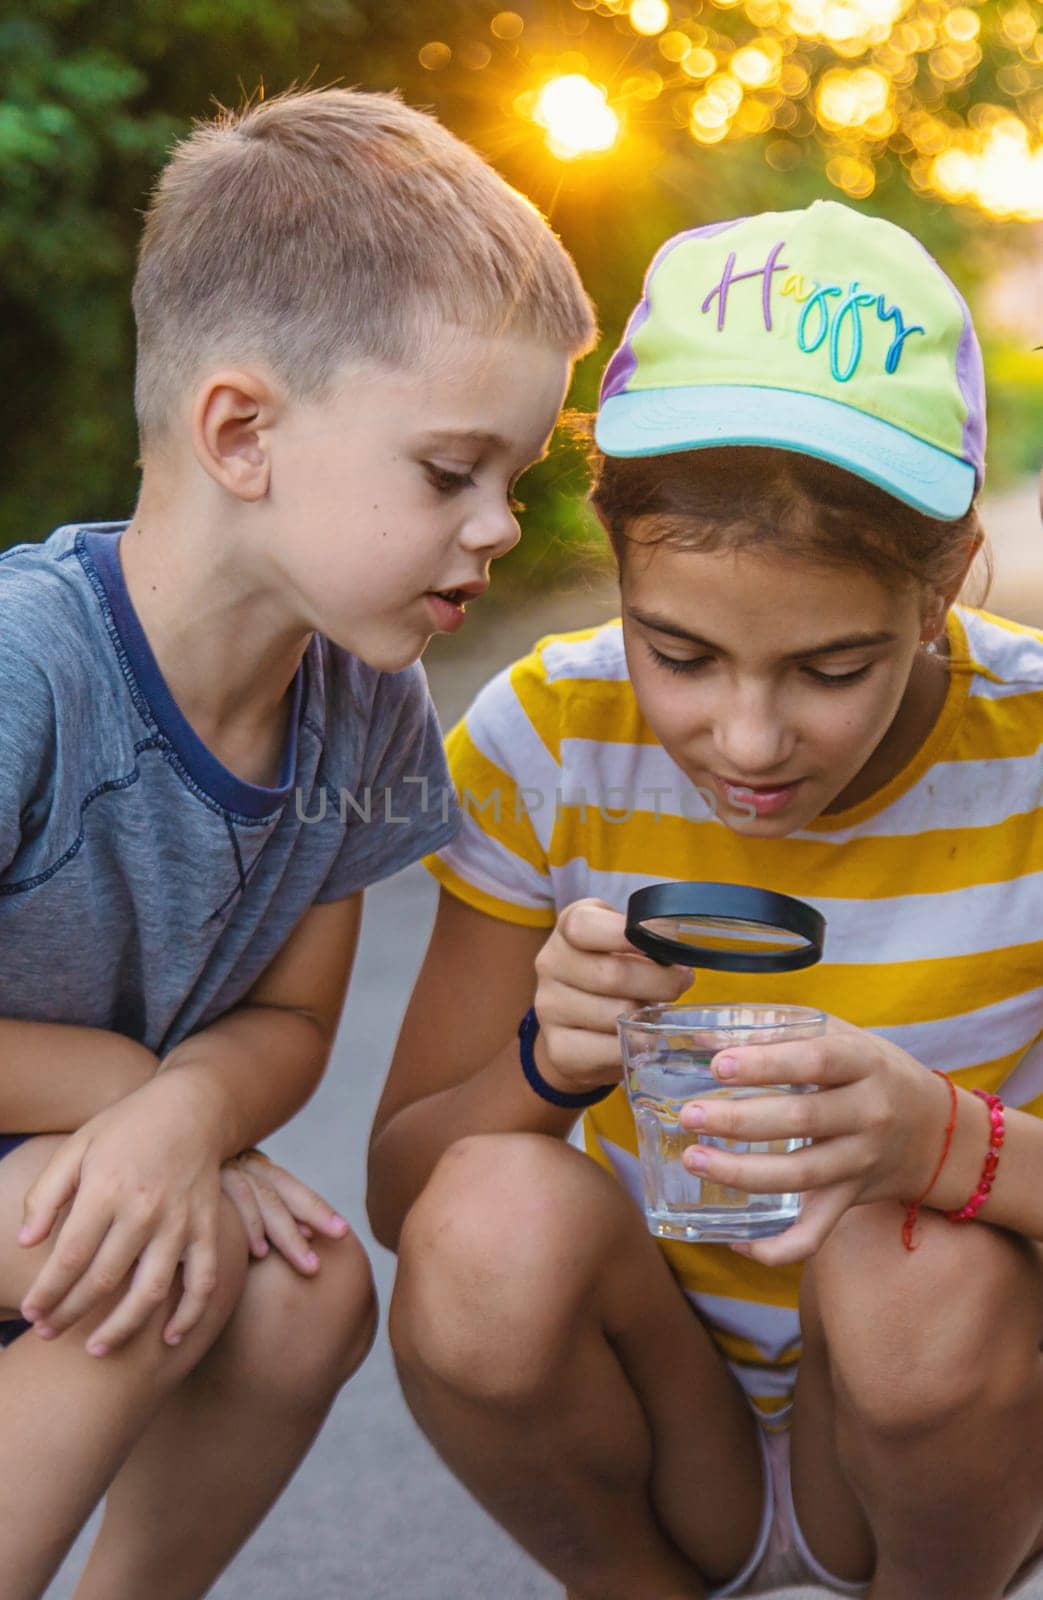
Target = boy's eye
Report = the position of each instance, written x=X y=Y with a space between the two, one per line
x=447 y=482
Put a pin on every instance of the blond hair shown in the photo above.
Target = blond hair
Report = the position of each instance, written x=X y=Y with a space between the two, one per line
x=327 y=225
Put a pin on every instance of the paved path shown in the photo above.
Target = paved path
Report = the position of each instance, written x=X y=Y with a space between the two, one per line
x=373 y=1514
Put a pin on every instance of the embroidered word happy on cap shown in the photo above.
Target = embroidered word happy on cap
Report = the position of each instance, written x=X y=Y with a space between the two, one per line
x=825 y=331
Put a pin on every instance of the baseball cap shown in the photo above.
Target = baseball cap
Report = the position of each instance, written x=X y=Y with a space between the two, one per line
x=825 y=331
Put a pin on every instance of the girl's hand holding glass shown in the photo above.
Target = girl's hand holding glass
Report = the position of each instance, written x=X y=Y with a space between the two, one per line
x=874 y=1124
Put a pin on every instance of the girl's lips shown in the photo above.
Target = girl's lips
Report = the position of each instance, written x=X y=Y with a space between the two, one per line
x=764 y=801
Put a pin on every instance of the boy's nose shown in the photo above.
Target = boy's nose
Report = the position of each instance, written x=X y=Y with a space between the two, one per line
x=495 y=532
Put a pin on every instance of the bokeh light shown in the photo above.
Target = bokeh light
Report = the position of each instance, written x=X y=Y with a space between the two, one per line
x=649 y=16
x=576 y=115
x=997 y=170
x=435 y=56
x=844 y=21
x=864 y=92
x=507 y=25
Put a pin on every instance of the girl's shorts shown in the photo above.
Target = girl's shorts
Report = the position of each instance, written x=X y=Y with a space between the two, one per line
x=781 y=1556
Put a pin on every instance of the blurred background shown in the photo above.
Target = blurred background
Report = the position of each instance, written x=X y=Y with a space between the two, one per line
x=624 y=120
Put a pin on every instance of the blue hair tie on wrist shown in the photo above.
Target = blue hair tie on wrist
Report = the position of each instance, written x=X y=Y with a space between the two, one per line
x=528 y=1028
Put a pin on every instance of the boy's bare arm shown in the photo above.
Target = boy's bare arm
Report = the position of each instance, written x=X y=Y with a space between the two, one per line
x=143 y=1176
x=262 y=1060
x=56 y=1076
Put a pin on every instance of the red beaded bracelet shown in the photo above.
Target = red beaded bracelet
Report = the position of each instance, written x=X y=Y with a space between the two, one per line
x=992 y=1160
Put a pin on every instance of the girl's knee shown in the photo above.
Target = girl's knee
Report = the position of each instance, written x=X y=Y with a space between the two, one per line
x=492 y=1273
x=911 y=1338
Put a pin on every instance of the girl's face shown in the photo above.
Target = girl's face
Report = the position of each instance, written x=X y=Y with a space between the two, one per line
x=787 y=689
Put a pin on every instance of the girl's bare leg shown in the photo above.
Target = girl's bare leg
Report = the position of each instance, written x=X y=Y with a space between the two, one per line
x=70 y=1418
x=938 y=1386
x=228 y=1439
x=548 y=1353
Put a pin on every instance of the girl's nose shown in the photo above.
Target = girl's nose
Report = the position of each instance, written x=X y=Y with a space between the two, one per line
x=751 y=738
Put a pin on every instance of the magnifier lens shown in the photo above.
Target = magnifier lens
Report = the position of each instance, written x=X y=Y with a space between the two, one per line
x=724 y=933
x=728 y=926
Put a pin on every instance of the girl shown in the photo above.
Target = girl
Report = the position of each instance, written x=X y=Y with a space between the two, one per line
x=791 y=443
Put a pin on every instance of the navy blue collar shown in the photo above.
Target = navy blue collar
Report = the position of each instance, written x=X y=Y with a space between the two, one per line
x=98 y=546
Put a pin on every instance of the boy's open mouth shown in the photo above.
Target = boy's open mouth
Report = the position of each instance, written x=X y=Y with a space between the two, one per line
x=449 y=606
x=463 y=592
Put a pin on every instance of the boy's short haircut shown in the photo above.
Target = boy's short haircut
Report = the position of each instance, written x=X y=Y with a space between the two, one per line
x=327 y=225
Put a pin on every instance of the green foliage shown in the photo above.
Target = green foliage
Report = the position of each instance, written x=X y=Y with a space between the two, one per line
x=93 y=92
x=1015 y=412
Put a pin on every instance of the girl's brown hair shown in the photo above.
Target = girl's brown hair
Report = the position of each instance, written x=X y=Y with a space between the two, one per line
x=751 y=498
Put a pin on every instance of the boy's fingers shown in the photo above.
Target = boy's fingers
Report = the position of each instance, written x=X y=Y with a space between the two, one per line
x=53 y=1188
x=281 y=1228
x=74 y=1250
x=149 y=1288
x=199 y=1277
x=240 y=1191
x=305 y=1203
x=113 y=1261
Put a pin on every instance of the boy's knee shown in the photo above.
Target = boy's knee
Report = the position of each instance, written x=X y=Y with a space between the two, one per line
x=909 y=1350
x=341 y=1313
x=300 y=1339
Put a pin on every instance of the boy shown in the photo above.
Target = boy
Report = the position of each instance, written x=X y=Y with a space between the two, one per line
x=335 y=300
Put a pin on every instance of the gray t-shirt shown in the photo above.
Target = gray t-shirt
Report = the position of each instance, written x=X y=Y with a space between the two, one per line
x=143 y=886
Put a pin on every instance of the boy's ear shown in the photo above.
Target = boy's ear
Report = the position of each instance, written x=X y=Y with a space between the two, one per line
x=231 y=415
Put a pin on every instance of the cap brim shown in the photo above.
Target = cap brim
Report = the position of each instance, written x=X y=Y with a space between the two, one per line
x=648 y=422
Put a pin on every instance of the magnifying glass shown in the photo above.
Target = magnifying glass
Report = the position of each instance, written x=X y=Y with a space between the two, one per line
x=726 y=926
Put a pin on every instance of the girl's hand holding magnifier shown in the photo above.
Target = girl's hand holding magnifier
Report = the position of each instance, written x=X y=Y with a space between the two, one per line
x=875 y=1124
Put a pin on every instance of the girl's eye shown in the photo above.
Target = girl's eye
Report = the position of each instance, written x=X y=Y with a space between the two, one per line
x=690 y=664
x=676 y=663
x=835 y=679
x=447 y=482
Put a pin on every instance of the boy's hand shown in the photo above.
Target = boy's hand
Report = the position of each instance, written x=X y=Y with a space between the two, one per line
x=588 y=974
x=144 y=1185
x=276 y=1207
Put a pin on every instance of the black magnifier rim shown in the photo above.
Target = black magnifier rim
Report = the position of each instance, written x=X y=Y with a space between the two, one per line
x=724 y=902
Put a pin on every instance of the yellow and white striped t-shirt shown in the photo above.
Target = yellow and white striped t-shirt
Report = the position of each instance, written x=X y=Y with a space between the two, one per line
x=932 y=891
